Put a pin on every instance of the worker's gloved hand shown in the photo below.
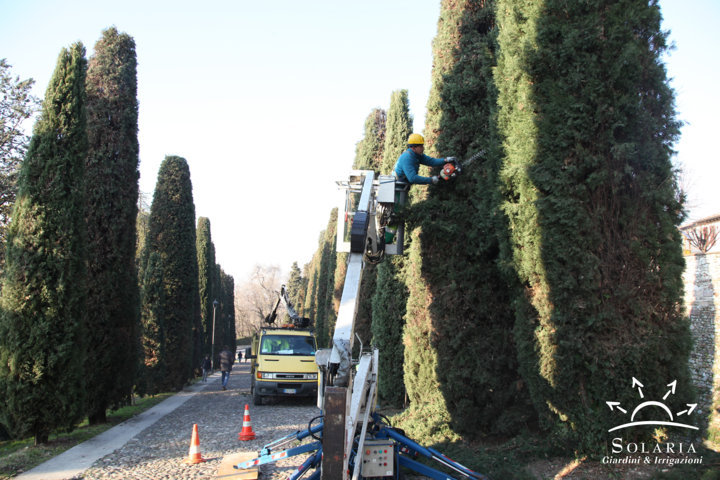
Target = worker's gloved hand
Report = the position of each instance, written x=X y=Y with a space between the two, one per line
x=435 y=180
x=451 y=159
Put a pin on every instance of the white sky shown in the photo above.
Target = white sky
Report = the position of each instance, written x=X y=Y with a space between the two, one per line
x=266 y=100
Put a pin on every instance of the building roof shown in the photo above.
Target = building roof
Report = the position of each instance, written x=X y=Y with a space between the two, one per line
x=703 y=221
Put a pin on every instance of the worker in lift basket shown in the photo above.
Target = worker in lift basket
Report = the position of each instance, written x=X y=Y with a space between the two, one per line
x=406 y=167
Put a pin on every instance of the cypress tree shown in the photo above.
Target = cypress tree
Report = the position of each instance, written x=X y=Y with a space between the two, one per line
x=320 y=288
x=369 y=150
x=42 y=326
x=420 y=365
x=474 y=333
x=388 y=311
x=326 y=315
x=208 y=291
x=390 y=296
x=152 y=369
x=227 y=302
x=111 y=210
x=469 y=336
x=588 y=123
x=368 y=156
x=397 y=130
x=310 y=307
x=172 y=237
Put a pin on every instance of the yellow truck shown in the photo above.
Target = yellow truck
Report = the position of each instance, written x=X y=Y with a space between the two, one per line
x=283 y=363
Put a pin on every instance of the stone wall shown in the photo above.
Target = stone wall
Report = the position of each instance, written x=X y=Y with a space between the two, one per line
x=702 y=301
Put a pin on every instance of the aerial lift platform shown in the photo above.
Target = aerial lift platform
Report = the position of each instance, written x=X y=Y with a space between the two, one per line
x=350 y=439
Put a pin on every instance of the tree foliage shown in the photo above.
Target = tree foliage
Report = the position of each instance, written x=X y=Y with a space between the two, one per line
x=588 y=124
x=42 y=327
x=321 y=287
x=368 y=156
x=206 y=271
x=153 y=359
x=16 y=106
x=297 y=287
x=227 y=309
x=369 y=150
x=470 y=321
x=390 y=294
x=172 y=237
x=111 y=197
x=398 y=128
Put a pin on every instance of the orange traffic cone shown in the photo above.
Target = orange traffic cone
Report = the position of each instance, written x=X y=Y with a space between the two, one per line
x=247 y=432
x=194 y=455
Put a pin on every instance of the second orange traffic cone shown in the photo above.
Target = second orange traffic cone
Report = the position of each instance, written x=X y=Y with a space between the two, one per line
x=247 y=432
x=194 y=455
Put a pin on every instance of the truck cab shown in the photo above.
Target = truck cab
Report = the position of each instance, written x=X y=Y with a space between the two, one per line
x=283 y=363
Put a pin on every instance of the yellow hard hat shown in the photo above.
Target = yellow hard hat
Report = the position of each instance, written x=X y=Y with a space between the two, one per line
x=416 y=139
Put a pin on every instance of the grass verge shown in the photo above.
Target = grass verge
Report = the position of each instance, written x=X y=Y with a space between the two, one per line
x=18 y=456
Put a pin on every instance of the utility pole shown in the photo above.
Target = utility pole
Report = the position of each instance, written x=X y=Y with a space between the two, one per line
x=212 y=346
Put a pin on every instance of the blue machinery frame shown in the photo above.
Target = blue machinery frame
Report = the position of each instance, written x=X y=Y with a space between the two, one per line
x=405 y=451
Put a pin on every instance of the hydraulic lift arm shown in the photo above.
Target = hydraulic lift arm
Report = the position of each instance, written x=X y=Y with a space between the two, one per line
x=347 y=400
x=369 y=227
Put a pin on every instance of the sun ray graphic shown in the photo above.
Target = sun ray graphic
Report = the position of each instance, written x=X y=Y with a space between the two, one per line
x=652 y=403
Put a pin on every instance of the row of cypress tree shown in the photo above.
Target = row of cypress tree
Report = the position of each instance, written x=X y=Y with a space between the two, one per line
x=535 y=286
x=93 y=308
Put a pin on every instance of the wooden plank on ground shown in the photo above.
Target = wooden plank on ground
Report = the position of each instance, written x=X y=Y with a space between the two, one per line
x=226 y=471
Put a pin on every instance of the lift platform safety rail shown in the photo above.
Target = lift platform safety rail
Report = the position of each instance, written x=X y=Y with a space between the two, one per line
x=353 y=441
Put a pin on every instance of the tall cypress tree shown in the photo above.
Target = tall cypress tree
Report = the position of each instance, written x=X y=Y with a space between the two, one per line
x=227 y=302
x=588 y=123
x=42 y=352
x=326 y=314
x=207 y=289
x=368 y=156
x=398 y=128
x=390 y=296
x=320 y=287
x=111 y=197
x=468 y=337
x=474 y=336
x=172 y=237
x=153 y=359
x=310 y=304
x=369 y=150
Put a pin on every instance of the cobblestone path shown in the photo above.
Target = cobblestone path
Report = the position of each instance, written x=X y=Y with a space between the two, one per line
x=159 y=451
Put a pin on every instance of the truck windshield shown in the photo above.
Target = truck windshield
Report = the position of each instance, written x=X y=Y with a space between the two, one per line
x=287 y=345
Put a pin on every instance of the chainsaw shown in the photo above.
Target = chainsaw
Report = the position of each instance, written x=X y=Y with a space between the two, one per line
x=454 y=167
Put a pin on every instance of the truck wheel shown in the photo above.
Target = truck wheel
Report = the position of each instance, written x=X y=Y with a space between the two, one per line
x=257 y=399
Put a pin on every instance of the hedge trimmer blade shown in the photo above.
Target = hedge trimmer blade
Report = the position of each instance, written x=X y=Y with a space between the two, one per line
x=473 y=158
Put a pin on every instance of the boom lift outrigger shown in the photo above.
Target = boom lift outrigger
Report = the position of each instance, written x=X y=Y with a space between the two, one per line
x=369 y=227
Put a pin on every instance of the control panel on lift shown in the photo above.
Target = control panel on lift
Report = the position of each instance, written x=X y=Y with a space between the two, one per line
x=378 y=459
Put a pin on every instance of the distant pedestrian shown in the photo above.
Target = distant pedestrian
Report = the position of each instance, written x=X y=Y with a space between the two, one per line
x=206 y=366
x=239 y=356
x=226 y=362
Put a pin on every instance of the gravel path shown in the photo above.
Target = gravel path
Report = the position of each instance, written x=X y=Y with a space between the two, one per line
x=159 y=451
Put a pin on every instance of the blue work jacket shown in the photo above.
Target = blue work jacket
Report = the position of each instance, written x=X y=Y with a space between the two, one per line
x=406 y=167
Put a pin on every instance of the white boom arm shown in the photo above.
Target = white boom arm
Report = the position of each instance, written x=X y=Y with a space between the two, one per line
x=368 y=209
